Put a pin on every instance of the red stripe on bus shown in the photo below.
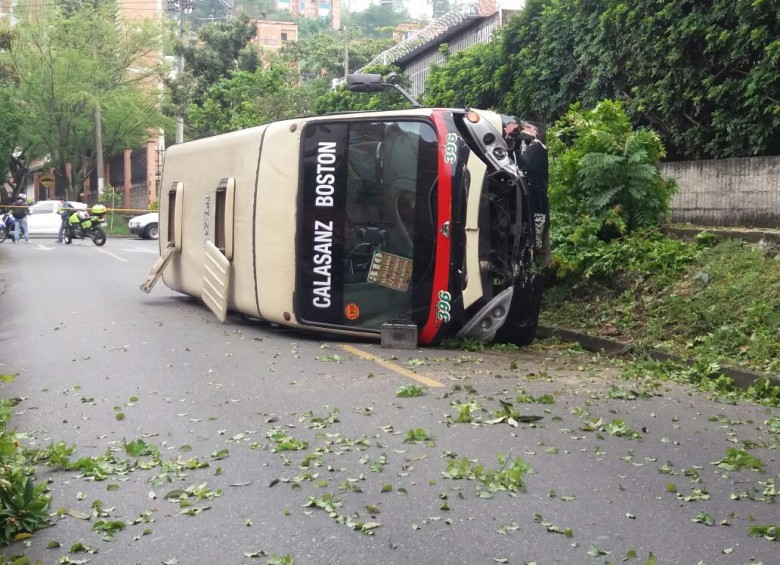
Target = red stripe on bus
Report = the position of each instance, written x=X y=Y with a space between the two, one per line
x=441 y=273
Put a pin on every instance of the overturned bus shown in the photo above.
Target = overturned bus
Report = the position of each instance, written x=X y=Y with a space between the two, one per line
x=432 y=218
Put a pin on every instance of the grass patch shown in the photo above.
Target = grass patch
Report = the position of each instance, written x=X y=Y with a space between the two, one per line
x=715 y=302
x=116 y=224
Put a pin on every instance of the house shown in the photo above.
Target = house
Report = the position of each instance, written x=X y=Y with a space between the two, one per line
x=465 y=25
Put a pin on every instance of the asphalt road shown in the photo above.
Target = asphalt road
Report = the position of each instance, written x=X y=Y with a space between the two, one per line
x=273 y=443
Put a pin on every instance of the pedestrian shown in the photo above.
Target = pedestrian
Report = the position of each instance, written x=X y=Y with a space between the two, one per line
x=65 y=210
x=21 y=209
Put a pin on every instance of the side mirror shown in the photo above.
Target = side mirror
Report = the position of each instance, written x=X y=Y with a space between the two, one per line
x=374 y=83
x=365 y=83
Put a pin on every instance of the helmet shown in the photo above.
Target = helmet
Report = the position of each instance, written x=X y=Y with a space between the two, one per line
x=22 y=195
x=98 y=209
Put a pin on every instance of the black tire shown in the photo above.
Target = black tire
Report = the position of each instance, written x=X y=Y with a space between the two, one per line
x=523 y=319
x=3 y=235
x=98 y=236
x=68 y=236
x=152 y=231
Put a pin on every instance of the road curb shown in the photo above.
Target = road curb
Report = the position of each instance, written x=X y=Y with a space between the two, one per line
x=588 y=342
x=768 y=236
x=614 y=348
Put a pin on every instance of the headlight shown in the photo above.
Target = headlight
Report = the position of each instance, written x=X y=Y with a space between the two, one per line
x=490 y=317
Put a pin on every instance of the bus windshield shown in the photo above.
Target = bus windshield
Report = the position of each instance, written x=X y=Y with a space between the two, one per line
x=367 y=217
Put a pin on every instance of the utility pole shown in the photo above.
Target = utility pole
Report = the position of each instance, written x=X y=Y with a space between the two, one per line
x=179 y=69
x=182 y=7
x=98 y=136
x=99 y=146
x=346 y=52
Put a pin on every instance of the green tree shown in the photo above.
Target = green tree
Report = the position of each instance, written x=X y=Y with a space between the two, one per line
x=9 y=111
x=71 y=59
x=259 y=9
x=528 y=70
x=220 y=48
x=204 y=11
x=342 y=100
x=454 y=84
x=8 y=74
x=704 y=75
x=244 y=100
x=9 y=136
x=312 y=26
x=376 y=21
x=541 y=77
x=322 y=55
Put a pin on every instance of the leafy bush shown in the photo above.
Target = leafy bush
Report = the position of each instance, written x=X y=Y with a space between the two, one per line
x=604 y=182
x=644 y=255
x=704 y=74
x=23 y=504
x=110 y=197
x=452 y=84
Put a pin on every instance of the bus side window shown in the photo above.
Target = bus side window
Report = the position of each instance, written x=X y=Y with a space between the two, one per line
x=175 y=208
x=223 y=217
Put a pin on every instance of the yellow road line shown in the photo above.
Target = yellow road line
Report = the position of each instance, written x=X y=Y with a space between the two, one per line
x=392 y=366
x=111 y=254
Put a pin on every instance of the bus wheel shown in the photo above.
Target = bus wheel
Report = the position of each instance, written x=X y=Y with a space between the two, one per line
x=523 y=319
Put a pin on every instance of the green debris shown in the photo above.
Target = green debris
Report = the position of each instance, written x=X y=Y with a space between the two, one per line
x=410 y=390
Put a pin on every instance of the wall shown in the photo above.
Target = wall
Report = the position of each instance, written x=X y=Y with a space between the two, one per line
x=727 y=192
x=133 y=175
x=273 y=34
x=139 y=199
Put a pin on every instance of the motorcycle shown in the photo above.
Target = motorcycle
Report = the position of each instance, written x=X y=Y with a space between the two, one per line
x=83 y=224
x=7 y=223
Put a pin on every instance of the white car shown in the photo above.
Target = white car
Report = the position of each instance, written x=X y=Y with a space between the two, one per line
x=145 y=225
x=44 y=217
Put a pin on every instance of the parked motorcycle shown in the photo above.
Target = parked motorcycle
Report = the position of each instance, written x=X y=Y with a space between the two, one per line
x=7 y=223
x=83 y=224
